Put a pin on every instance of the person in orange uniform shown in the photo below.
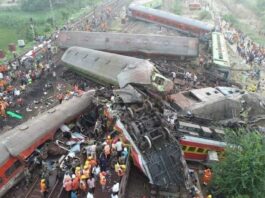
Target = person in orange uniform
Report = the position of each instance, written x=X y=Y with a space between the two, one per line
x=91 y=161
x=75 y=183
x=3 y=106
x=102 y=179
x=78 y=172
x=207 y=176
x=43 y=188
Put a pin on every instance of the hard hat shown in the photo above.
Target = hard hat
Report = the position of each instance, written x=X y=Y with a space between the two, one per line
x=77 y=168
x=73 y=176
x=83 y=177
x=43 y=180
x=85 y=167
x=209 y=196
x=109 y=137
x=90 y=158
x=123 y=166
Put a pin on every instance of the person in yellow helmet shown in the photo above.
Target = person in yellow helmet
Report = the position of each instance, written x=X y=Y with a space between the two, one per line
x=210 y=196
x=86 y=172
x=43 y=187
x=78 y=172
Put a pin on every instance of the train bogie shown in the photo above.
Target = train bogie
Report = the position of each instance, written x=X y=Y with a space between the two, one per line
x=20 y=143
x=180 y=23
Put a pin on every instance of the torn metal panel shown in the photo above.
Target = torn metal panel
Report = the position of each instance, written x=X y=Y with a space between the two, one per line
x=129 y=95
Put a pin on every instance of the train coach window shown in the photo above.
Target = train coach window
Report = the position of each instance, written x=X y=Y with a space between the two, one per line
x=192 y=149
x=200 y=150
x=184 y=148
x=12 y=169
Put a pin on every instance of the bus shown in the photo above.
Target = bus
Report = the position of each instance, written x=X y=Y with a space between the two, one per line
x=220 y=60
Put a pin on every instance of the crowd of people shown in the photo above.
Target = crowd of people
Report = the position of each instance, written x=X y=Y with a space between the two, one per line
x=101 y=167
x=16 y=76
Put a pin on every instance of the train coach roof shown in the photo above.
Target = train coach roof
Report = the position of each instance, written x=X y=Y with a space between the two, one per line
x=24 y=136
x=113 y=67
x=4 y=154
x=171 y=16
x=130 y=43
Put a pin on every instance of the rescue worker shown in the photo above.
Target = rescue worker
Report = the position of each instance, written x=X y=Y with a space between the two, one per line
x=83 y=184
x=3 y=106
x=207 y=176
x=86 y=172
x=78 y=172
x=43 y=188
x=75 y=183
x=92 y=162
x=95 y=172
x=102 y=179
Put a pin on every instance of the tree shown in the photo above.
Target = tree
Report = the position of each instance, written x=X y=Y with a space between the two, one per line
x=242 y=172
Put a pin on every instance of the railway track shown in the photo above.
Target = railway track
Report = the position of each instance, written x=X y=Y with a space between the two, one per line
x=55 y=192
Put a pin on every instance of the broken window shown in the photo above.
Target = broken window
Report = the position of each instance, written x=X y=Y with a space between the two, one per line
x=159 y=81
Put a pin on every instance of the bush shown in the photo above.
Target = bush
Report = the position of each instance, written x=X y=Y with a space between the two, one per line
x=205 y=15
x=230 y=19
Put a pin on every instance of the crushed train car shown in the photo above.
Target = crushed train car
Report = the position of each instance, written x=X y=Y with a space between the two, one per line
x=18 y=144
x=179 y=23
x=117 y=70
x=149 y=45
x=153 y=149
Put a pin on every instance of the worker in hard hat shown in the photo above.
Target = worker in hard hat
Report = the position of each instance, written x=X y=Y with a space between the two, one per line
x=78 y=172
x=209 y=196
x=207 y=176
x=86 y=172
x=43 y=187
x=91 y=161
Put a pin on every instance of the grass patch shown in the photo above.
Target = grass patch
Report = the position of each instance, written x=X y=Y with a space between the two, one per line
x=177 y=7
x=15 y=24
x=7 y=36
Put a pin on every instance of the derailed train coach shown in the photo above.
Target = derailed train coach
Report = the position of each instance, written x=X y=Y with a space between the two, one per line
x=20 y=143
x=112 y=69
x=179 y=23
x=148 y=45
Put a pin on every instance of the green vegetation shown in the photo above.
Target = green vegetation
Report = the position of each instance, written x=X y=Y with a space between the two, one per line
x=257 y=7
x=205 y=15
x=35 y=18
x=177 y=7
x=241 y=173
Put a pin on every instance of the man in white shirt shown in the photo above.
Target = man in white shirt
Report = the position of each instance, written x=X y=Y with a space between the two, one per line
x=119 y=147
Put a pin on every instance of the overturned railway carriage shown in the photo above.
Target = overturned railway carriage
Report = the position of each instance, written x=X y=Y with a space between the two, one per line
x=154 y=150
x=149 y=45
x=113 y=69
x=180 y=23
x=18 y=144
